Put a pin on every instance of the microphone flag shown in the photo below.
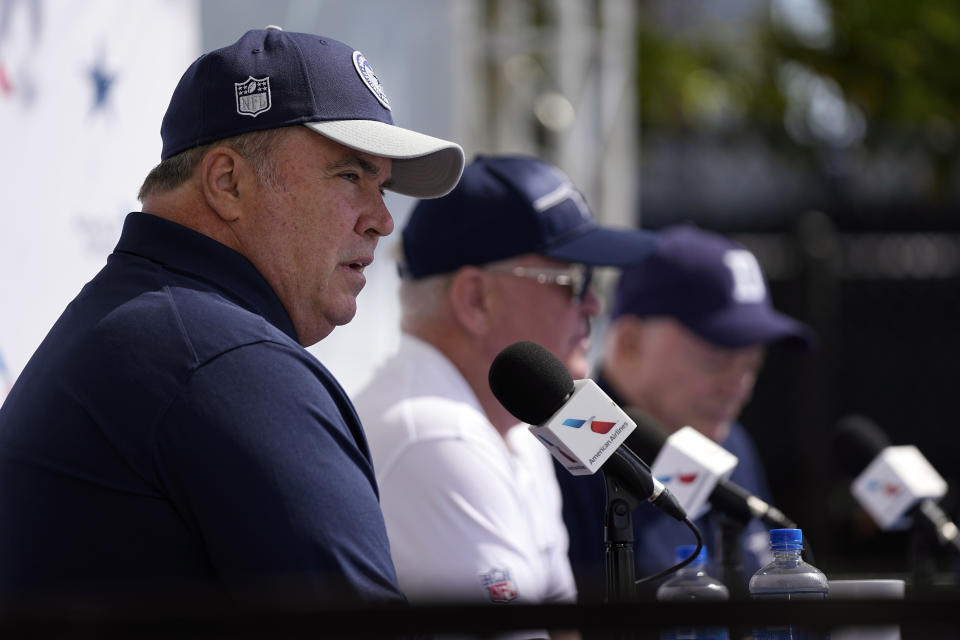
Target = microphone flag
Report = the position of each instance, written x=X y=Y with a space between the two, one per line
x=898 y=478
x=690 y=465
x=586 y=430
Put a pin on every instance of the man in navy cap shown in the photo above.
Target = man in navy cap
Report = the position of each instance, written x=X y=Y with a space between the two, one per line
x=686 y=341
x=471 y=505
x=171 y=435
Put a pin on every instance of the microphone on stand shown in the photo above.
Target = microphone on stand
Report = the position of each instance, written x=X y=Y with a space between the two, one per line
x=579 y=423
x=649 y=439
x=702 y=469
x=584 y=430
x=894 y=484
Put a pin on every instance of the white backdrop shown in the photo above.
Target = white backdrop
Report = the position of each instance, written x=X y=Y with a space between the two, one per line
x=408 y=43
x=72 y=159
x=83 y=87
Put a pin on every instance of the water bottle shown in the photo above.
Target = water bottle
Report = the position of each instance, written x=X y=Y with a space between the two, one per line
x=788 y=577
x=693 y=583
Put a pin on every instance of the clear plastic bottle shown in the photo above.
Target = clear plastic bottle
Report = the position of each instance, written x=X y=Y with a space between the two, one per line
x=788 y=577
x=693 y=583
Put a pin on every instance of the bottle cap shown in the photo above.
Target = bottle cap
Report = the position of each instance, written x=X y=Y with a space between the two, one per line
x=786 y=539
x=682 y=552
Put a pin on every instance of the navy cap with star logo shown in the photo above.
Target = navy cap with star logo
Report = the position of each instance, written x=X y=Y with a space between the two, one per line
x=272 y=78
x=508 y=205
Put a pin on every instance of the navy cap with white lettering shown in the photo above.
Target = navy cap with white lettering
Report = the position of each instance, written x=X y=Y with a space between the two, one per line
x=506 y=206
x=710 y=284
x=272 y=78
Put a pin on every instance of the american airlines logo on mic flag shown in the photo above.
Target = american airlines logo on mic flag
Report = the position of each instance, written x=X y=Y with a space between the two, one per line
x=690 y=464
x=577 y=439
x=682 y=478
x=597 y=426
x=887 y=488
x=895 y=481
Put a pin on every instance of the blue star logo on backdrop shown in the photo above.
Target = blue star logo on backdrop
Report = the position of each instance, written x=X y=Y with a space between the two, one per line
x=102 y=84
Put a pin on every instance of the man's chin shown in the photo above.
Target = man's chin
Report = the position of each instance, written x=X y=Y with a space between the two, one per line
x=577 y=363
x=345 y=313
x=329 y=321
x=718 y=431
x=578 y=367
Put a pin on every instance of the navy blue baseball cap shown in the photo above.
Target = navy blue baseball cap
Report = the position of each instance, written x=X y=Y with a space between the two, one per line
x=505 y=206
x=712 y=285
x=272 y=78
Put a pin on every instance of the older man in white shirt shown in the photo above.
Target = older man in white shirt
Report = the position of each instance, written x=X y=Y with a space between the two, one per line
x=471 y=503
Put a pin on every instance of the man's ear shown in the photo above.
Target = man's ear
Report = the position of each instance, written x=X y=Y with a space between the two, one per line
x=224 y=176
x=469 y=295
x=628 y=335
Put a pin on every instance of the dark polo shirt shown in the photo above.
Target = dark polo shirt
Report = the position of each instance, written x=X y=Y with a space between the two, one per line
x=171 y=433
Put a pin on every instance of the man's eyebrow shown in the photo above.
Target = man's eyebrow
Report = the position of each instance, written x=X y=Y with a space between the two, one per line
x=363 y=164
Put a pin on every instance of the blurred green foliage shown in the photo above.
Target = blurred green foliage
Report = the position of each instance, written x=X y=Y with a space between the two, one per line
x=895 y=64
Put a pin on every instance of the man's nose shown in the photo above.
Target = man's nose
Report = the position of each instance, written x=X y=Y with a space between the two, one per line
x=378 y=222
x=591 y=305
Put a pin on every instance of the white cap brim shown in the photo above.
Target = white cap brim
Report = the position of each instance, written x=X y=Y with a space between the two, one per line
x=423 y=166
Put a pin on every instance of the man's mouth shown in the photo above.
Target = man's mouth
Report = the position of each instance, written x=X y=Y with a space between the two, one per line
x=360 y=264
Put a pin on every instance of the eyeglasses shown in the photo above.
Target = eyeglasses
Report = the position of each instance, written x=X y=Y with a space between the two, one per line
x=577 y=276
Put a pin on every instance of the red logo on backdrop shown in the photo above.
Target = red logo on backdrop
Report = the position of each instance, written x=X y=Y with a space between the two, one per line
x=500 y=587
x=5 y=84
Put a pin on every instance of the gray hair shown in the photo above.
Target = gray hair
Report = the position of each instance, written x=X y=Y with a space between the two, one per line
x=422 y=298
x=255 y=146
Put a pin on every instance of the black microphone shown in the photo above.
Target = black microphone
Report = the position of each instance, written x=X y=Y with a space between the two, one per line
x=884 y=474
x=535 y=386
x=728 y=497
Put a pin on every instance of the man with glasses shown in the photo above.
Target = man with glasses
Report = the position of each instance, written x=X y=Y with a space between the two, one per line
x=471 y=504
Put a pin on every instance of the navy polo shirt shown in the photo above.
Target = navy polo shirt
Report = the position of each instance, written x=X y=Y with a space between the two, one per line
x=171 y=433
x=655 y=533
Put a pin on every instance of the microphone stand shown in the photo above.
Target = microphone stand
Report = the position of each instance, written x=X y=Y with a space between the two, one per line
x=731 y=555
x=618 y=540
x=922 y=557
x=730 y=531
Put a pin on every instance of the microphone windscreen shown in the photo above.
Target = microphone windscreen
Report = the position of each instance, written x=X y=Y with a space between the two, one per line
x=649 y=436
x=530 y=382
x=857 y=441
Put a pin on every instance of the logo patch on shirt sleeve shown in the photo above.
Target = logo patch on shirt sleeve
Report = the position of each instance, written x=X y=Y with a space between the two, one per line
x=500 y=588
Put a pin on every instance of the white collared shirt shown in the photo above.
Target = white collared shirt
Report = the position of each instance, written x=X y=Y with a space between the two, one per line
x=471 y=516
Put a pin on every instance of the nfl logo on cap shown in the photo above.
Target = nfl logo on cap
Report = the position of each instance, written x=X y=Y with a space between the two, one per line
x=253 y=96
